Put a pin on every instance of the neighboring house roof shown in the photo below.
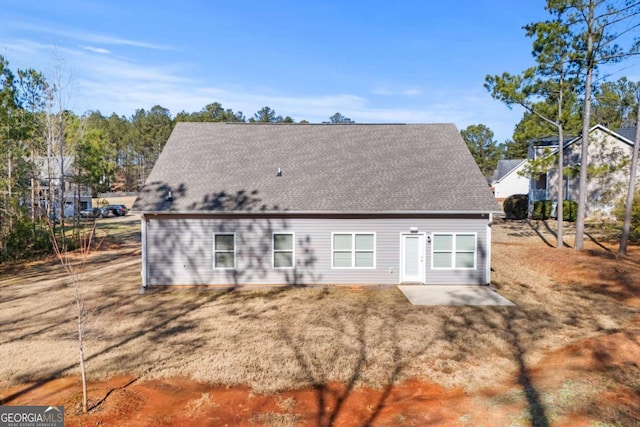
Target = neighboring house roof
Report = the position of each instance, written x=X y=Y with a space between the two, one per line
x=626 y=140
x=350 y=168
x=506 y=167
x=605 y=129
x=628 y=133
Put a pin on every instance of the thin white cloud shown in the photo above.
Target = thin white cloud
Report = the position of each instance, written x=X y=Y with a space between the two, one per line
x=385 y=91
x=83 y=35
x=107 y=69
x=96 y=49
x=110 y=40
x=414 y=91
x=20 y=47
x=103 y=68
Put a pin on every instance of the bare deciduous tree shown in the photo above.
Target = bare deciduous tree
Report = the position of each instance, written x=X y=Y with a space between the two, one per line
x=74 y=264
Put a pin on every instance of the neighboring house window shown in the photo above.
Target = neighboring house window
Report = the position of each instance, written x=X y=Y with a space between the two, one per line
x=224 y=251
x=541 y=182
x=283 y=250
x=454 y=251
x=353 y=250
x=539 y=190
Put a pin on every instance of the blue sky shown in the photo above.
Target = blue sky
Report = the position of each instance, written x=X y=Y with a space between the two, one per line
x=373 y=61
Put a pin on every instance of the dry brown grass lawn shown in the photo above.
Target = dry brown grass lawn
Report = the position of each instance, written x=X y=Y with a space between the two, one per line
x=279 y=339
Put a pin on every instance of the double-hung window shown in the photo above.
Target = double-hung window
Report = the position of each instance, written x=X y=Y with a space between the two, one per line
x=283 y=250
x=454 y=251
x=353 y=250
x=224 y=251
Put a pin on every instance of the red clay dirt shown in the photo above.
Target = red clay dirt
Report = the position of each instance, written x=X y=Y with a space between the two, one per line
x=183 y=402
x=126 y=401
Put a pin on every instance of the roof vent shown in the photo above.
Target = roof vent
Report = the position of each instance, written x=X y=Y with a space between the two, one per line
x=279 y=172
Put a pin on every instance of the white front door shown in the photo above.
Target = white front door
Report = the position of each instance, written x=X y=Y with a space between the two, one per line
x=412 y=258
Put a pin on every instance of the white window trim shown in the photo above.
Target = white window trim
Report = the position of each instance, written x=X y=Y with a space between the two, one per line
x=273 y=251
x=235 y=251
x=453 y=250
x=353 y=250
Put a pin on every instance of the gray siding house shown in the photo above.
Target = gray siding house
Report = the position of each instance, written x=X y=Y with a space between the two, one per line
x=235 y=204
x=609 y=156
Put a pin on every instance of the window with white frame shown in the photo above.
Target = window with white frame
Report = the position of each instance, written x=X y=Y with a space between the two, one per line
x=353 y=250
x=283 y=250
x=454 y=251
x=224 y=251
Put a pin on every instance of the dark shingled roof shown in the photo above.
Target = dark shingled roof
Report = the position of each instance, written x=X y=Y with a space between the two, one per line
x=629 y=133
x=504 y=167
x=231 y=167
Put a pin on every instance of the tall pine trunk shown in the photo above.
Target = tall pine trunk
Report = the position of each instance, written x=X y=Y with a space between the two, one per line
x=586 y=119
x=560 y=207
x=626 y=227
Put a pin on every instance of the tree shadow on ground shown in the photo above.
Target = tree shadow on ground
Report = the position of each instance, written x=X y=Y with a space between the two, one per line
x=596 y=242
x=573 y=306
x=174 y=320
x=535 y=228
x=353 y=327
x=554 y=233
x=537 y=411
x=158 y=327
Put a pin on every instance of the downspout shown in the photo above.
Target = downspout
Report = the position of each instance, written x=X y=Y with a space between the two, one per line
x=487 y=262
x=143 y=239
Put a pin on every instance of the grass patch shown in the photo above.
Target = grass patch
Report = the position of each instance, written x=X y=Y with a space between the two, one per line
x=275 y=419
x=287 y=404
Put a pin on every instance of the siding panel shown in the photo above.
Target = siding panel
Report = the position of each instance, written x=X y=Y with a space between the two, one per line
x=180 y=250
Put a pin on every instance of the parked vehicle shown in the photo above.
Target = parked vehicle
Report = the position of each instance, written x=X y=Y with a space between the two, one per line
x=116 y=210
x=104 y=211
x=91 y=213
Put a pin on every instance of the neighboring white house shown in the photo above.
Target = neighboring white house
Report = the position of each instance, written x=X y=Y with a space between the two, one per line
x=507 y=181
x=47 y=189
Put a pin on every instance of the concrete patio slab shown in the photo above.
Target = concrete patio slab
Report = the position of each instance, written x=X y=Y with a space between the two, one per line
x=452 y=295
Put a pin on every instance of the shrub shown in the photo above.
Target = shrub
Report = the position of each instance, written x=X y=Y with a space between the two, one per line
x=27 y=239
x=516 y=206
x=619 y=209
x=542 y=209
x=569 y=210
